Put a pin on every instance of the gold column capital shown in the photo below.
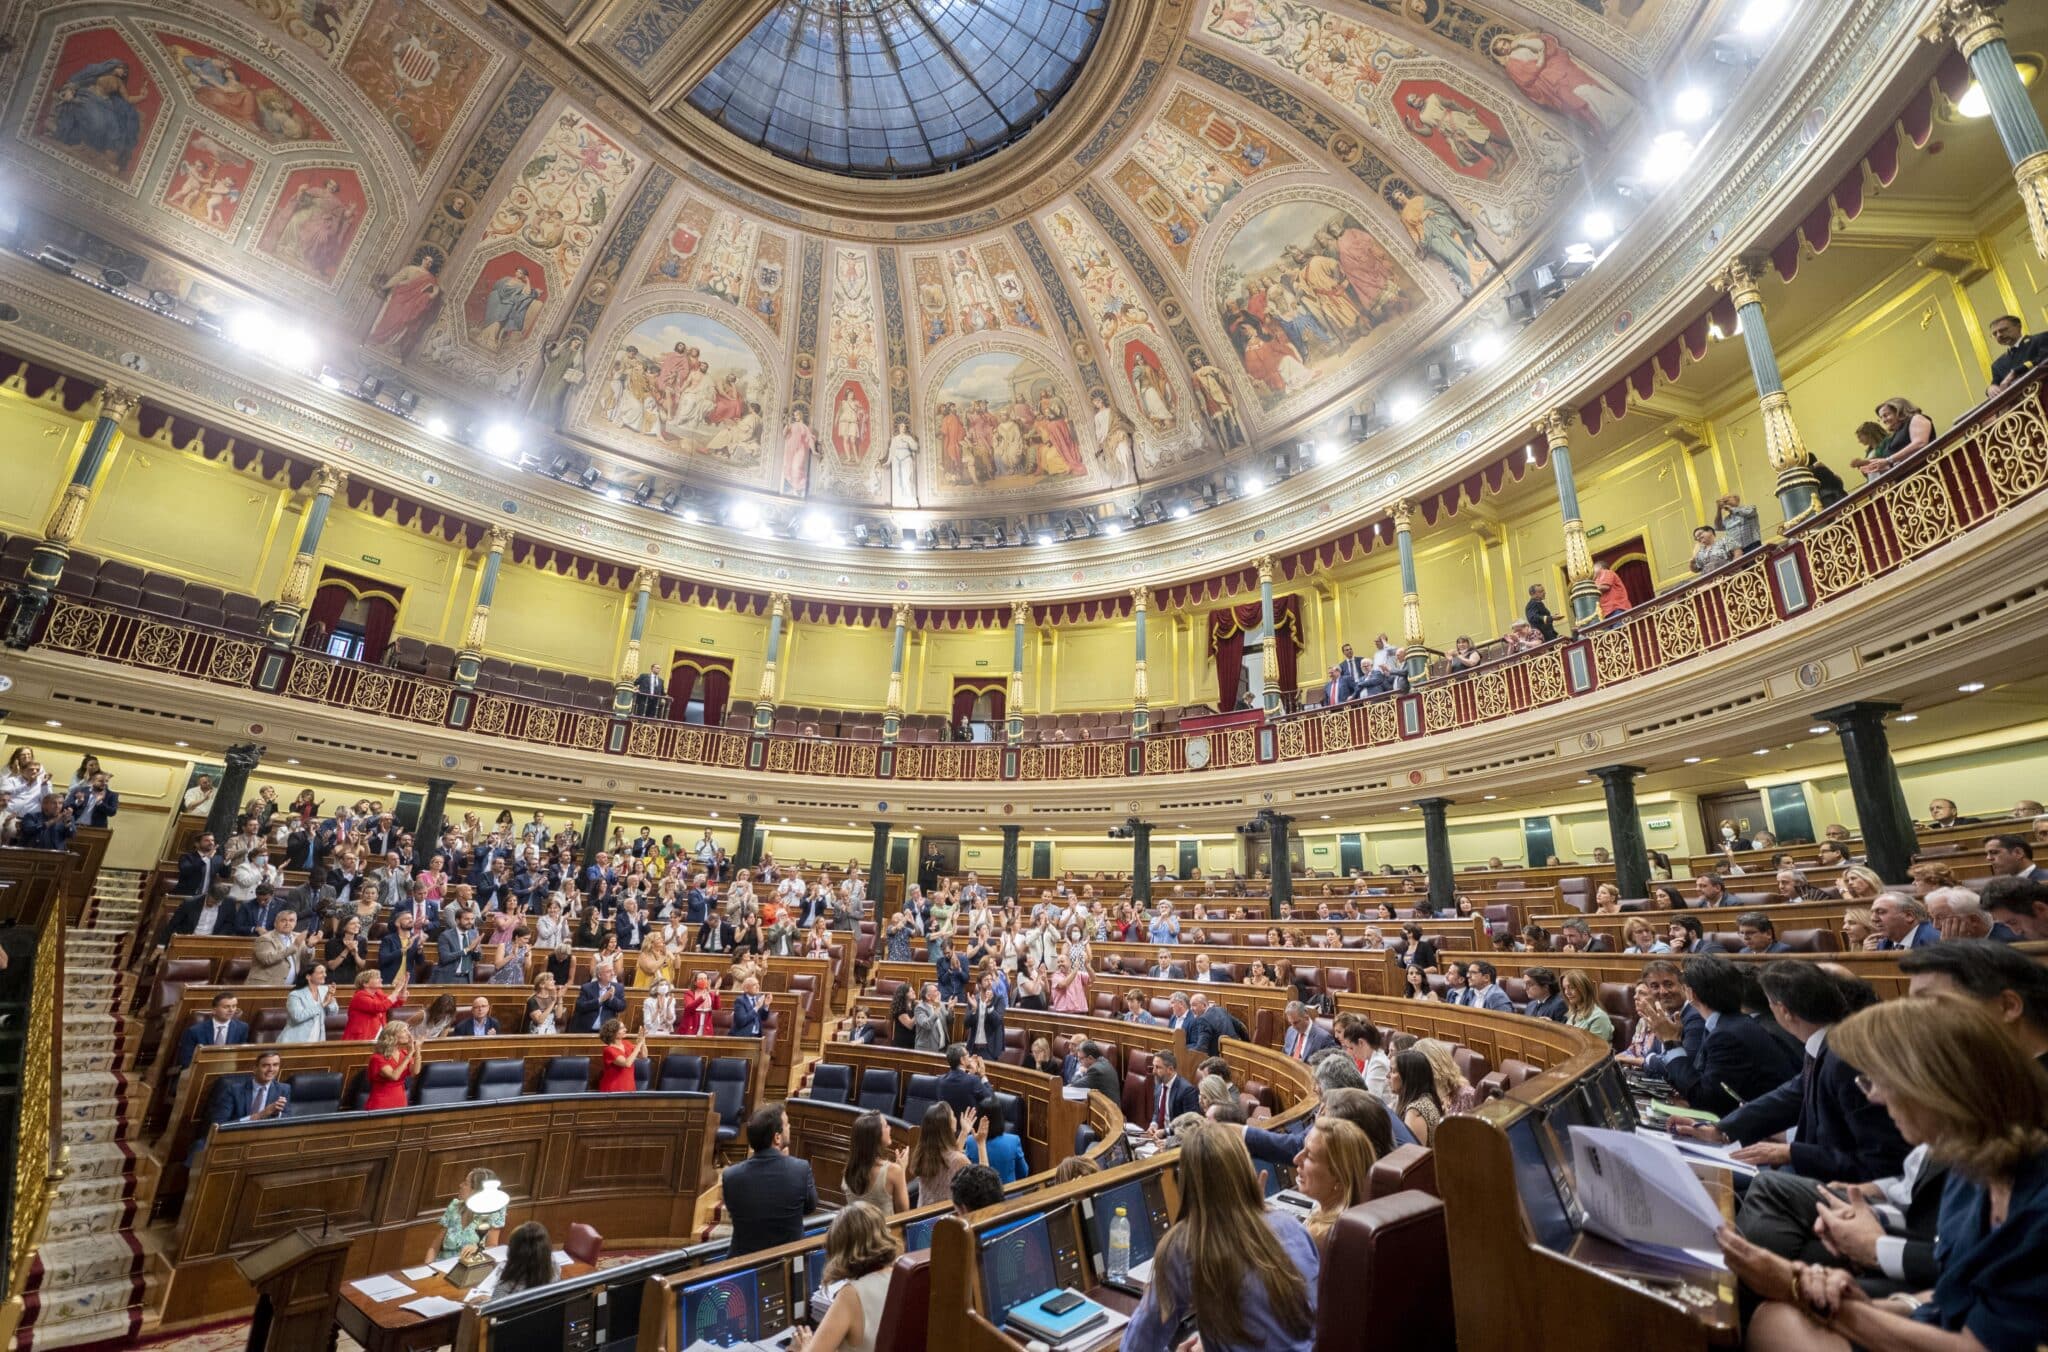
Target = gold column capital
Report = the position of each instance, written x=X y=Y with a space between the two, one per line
x=118 y=402
x=644 y=579
x=778 y=606
x=497 y=540
x=1743 y=279
x=1020 y=613
x=327 y=481
x=1556 y=426
x=899 y=615
x=1967 y=23
x=1404 y=514
x=1141 y=600
x=1265 y=567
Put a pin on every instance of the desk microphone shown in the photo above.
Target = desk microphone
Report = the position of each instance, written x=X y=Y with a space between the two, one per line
x=306 y=1213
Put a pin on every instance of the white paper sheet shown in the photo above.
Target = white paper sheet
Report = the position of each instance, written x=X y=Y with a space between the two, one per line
x=432 y=1307
x=382 y=1287
x=1641 y=1192
x=419 y=1274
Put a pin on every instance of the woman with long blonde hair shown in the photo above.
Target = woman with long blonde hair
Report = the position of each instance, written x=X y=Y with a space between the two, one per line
x=860 y=1250
x=1246 y=1275
x=1334 y=1168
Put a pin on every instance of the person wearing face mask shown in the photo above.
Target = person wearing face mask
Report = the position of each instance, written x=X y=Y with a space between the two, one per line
x=697 y=1006
x=658 y=1012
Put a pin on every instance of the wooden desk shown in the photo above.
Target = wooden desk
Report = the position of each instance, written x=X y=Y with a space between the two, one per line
x=387 y=1326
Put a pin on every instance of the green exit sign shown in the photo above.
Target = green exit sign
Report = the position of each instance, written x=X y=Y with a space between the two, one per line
x=981 y=661
x=1657 y=824
x=1319 y=849
x=707 y=642
x=371 y=558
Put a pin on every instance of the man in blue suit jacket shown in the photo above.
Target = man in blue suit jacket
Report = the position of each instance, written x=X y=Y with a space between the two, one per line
x=1902 y=921
x=1841 y=1135
x=769 y=1193
x=601 y=998
x=256 y=1097
x=198 y=867
x=985 y=1010
x=749 y=1009
x=1486 y=991
x=223 y=1028
x=92 y=803
x=1207 y=1025
x=1305 y=1037
x=402 y=946
x=1738 y=1060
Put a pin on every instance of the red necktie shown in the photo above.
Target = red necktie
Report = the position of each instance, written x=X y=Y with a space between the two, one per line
x=1159 y=1113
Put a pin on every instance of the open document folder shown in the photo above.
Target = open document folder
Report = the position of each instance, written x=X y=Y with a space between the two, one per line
x=1643 y=1194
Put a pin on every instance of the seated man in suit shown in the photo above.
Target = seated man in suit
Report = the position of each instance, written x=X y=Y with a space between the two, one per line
x=402 y=946
x=1485 y=988
x=1576 y=936
x=601 y=998
x=478 y=1022
x=1091 y=1070
x=1902 y=922
x=749 y=1009
x=93 y=802
x=255 y=1097
x=769 y=1193
x=1207 y=973
x=1546 y=996
x=223 y=1028
x=1738 y=1060
x=1305 y=1037
x=277 y=954
x=1168 y=1096
x=1838 y=1134
x=964 y=1085
x=1164 y=967
x=1759 y=933
x=212 y=911
x=1207 y=1025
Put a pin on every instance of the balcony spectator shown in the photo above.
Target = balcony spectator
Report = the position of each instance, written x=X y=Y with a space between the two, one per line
x=1709 y=551
x=1907 y=431
x=46 y=826
x=2022 y=353
x=1614 y=597
x=1463 y=656
x=93 y=802
x=198 y=800
x=1737 y=522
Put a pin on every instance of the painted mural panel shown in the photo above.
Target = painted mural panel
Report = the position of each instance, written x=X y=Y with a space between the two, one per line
x=320 y=24
x=1013 y=297
x=410 y=299
x=101 y=107
x=239 y=93
x=1635 y=33
x=684 y=380
x=314 y=221
x=1002 y=421
x=1188 y=164
x=1440 y=238
x=210 y=184
x=1301 y=288
x=851 y=339
x=676 y=257
x=420 y=69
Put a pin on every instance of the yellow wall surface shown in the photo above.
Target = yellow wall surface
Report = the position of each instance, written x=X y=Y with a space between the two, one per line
x=433 y=574
x=1984 y=775
x=39 y=442
x=964 y=654
x=169 y=509
x=1094 y=665
x=837 y=666
x=674 y=628
x=556 y=621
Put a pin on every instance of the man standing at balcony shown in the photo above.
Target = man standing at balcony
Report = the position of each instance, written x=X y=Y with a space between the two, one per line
x=648 y=690
x=1537 y=614
x=1350 y=675
x=2023 y=352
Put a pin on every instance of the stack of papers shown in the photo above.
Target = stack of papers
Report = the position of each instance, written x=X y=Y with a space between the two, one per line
x=433 y=1307
x=1706 y=1152
x=382 y=1287
x=1640 y=1192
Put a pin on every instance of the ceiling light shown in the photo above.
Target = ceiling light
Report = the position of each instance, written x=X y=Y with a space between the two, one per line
x=1693 y=104
x=1328 y=450
x=1487 y=346
x=293 y=347
x=1820 y=730
x=743 y=514
x=816 y=526
x=291 y=760
x=1906 y=718
x=785 y=819
x=1405 y=406
x=251 y=329
x=1180 y=511
x=1044 y=538
x=1585 y=781
x=1669 y=155
x=1599 y=226
x=52 y=723
x=1970 y=687
x=1761 y=17
x=1112 y=527
x=183 y=744
x=1489 y=797
x=1326 y=816
x=612 y=493
x=1761 y=751
x=479 y=789
x=909 y=540
x=1692 y=760
x=714 y=814
x=1253 y=484
x=437 y=427
x=390 y=776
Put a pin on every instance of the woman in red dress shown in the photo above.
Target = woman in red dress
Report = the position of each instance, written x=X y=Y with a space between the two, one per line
x=698 y=1002
x=619 y=1055
x=369 y=1007
x=390 y=1067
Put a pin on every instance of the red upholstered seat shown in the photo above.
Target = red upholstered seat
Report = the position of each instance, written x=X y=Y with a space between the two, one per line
x=584 y=1244
x=1387 y=1268
x=1405 y=1167
x=906 y=1311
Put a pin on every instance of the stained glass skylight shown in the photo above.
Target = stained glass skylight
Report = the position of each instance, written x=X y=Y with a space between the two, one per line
x=898 y=88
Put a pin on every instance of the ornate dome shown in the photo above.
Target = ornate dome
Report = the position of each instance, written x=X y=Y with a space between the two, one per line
x=897 y=88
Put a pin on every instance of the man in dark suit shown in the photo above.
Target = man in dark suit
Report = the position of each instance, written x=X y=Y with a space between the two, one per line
x=1537 y=614
x=402 y=946
x=769 y=1193
x=256 y=1097
x=1760 y=933
x=198 y=867
x=630 y=924
x=697 y=901
x=212 y=911
x=2023 y=352
x=648 y=689
x=1207 y=1025
x=749 y=1009
x=1546 y=998
x=601 y=998
x=222 y=1028
x=1902 y=921
x=478 y=1022
x=1304 y=1036
x=1168 y=1096
x=950 y=971
x=1164 y=968
x=1738 y=1060
x=985 y=1010
x=963 y=1086
x=1841 y=1135
x=716 y=934
x=383 y=836
x=1351 y=674
x=1090 y=1069
x=92 y=803
x=47 y=826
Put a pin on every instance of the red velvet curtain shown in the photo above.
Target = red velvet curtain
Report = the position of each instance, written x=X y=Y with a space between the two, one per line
x=717 y=690
x=328 y=603
x=1227 y=628
x=716 y=673
x=380 y=616
x=968 y=689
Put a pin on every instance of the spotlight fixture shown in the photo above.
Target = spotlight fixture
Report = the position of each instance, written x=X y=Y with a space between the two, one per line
x=1044 y=537
x=1208 y=494
x=1113 y=528
x=369 y=387
x=950 y=535
x=1695 y=103
x=558 y=468
x=1253 y=485
x=1521 y=306
x=1405 y=407
x=1486 y=348
x=1156 y=510
x=1068 y=531
x=670 y=499
x=644 y=491
x=742 y=515
x=929 y=539
x=908 y=540
x=1599 y=226
x=1549 y=284
x=589 y=477
x=408 y=400
x=999 y=535
x=860 y=532
x=1359 y=425
x=1439 y=377
x=1283 y=465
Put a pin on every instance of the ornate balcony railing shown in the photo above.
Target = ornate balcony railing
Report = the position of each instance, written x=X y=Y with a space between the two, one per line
x=1982 y=468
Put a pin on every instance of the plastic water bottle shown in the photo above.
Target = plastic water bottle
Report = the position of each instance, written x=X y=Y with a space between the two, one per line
x=1119 y=1247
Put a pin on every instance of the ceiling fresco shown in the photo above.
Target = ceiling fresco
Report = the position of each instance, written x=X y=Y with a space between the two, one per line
x=494 y=205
